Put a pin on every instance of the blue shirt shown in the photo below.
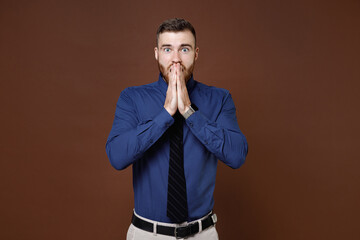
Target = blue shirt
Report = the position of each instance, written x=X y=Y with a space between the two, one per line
x=139 y=137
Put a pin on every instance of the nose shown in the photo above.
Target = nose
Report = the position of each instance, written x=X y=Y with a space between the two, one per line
x=176 y=57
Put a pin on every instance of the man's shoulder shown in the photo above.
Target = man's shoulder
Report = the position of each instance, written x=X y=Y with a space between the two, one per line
x=139 y=88
x=203 y=88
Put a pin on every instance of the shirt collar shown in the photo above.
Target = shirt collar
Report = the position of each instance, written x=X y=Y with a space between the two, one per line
x=163 y=85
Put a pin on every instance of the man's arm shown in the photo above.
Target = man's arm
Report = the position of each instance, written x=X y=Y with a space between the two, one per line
x=129 y=138
x=223 y=137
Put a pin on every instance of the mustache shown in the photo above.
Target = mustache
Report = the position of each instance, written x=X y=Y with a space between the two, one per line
x=182 y=67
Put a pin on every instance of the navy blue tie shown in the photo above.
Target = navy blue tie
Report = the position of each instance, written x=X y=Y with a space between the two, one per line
x=177 y=208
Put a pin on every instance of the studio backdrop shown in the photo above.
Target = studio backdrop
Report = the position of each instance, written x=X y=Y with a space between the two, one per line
x=292 y=68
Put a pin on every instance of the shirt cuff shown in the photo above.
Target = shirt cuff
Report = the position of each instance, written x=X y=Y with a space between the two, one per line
x=196 y=120
x=164 y=119
x=204 y=129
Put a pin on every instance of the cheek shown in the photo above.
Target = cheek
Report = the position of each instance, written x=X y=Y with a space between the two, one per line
x=164 y=58
x=188 y=61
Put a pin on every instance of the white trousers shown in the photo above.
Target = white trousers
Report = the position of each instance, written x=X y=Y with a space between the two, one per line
x=135 y=233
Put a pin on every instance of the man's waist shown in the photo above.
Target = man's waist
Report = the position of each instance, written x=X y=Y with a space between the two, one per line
x=178 y=230
x=159 y=214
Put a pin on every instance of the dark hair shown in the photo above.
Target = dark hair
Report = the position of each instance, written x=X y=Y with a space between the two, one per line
x=174 y=25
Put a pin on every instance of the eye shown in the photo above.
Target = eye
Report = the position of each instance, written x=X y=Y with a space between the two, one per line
x=185 y=50
x=167 y=49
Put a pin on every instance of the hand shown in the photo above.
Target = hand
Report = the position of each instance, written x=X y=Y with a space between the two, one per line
x=183 y=100
x=171 y=94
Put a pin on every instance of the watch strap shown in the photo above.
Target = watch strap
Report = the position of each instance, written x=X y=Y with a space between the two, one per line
x=192 y=108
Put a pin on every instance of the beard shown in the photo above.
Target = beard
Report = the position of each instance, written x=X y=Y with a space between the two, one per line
x=165 y=71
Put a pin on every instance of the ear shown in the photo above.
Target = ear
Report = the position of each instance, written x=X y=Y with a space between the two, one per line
x=196 y=53
x=156 y=53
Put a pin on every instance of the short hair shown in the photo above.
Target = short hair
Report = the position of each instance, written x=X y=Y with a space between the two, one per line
x=175 y=25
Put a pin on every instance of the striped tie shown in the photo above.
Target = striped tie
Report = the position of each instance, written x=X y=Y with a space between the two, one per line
x=177 y=209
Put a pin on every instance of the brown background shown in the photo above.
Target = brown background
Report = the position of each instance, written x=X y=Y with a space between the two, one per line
x=291 y=66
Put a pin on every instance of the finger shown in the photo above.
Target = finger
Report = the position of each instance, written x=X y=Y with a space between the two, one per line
x=176 y=66
x=179 y=87
x=176 y=72
x=173 y=74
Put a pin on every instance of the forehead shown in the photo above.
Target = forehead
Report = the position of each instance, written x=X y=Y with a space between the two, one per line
x=177 y=38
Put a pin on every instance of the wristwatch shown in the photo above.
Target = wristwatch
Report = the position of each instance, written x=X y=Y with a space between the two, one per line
x=192 y=108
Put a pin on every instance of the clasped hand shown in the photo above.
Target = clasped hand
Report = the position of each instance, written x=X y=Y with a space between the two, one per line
x=177 y=97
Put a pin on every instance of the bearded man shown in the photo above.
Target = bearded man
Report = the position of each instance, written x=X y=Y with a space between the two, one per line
x=173 y=132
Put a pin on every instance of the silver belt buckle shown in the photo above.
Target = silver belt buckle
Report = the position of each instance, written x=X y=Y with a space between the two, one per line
x=186 y=231
x=175 y=233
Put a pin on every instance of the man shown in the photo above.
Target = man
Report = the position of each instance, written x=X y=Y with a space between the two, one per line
x=173 y=132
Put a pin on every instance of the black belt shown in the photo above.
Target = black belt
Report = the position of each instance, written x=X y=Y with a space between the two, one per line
x=178 y=232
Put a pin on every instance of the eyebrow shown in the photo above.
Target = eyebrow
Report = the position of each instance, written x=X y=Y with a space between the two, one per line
x=165 y=45
x=186 y=45
x=182 y=45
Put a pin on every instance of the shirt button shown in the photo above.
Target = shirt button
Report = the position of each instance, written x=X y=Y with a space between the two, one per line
x=191 y=124
x=151 y=141
x=206 y=142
